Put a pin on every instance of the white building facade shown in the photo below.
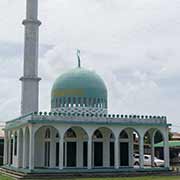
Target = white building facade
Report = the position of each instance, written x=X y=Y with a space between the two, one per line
x=59 y=141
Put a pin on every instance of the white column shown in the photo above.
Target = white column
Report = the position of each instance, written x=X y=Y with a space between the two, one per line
x=24 y=149
x=141 y=151
x=106 y=151
x=65 y=153
x=18 y=149
x=131 y=148
x=152 y=149
x=13 y=149
x=9 y=150
x=80 y=152
x=117 y=153
x=90 y=153
x=31 y=148
x=5 y=148
x=61 y=153
x=166 y=149
x=52 y=152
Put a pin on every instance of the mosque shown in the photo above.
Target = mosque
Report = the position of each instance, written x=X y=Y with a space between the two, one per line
x=77 y=133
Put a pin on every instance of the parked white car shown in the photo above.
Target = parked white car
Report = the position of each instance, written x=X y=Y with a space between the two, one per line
x=147 y=161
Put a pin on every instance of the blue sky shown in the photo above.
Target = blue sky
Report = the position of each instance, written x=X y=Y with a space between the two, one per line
x=132 y=44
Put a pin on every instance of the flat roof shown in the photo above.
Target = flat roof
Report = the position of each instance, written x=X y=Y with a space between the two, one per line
x=124 y=120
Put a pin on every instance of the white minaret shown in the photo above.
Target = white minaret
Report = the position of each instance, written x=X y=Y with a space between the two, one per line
x=30 y=79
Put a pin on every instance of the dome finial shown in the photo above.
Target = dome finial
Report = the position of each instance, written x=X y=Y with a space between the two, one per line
x=79 y=59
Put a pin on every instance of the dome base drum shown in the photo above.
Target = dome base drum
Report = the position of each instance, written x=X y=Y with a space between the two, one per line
x=80 y=110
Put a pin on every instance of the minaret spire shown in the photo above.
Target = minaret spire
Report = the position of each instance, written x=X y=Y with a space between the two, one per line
x=79 y=58
x=30 y=79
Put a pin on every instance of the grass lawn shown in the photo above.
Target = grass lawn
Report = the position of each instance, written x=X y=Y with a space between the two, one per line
x=133 y=178
x=4 y=178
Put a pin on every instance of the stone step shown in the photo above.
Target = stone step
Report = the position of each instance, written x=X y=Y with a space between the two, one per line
x=69 y=175
x=12 y=174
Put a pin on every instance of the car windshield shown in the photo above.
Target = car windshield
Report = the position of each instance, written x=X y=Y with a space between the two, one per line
x=146 y=157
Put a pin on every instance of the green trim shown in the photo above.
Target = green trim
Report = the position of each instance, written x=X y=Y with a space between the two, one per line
x=171 y=144
x=88 y=122
x=17 y=125
x=85 y=170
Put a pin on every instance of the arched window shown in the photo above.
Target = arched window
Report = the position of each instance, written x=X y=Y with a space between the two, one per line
x=97 y=134
x=69 y=100
x=64 y=101
x=102 y=103
x=70 y=134
x=79 y=100
x=74 y=100
x=59 y=102
x=47 y=133
x=98 y=102
x=84 y=101
x=89 y=101
x=124 y=135
x=94 y=102
x=56 y=102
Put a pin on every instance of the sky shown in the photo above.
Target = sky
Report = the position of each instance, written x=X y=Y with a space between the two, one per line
x=132 y=44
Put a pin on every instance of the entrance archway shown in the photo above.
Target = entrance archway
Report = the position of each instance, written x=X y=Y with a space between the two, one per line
x=153 y=148
x=103 y=147
x=75 y=147
x=98 y=148
x=124 y=149
x=47 y=147
x=159 y=147
x=149 y=148
x=71 y=148
x=129 y=148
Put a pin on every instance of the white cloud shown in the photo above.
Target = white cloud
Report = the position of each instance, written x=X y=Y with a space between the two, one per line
x=132 y=44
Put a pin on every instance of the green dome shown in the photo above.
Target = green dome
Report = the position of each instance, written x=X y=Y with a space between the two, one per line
x=79 y=91
x=80 y=82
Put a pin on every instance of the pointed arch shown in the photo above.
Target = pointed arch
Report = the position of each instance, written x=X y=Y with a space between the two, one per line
x=70 y=133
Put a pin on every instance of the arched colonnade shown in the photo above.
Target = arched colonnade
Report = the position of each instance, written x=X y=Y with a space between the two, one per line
x=48 y=146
